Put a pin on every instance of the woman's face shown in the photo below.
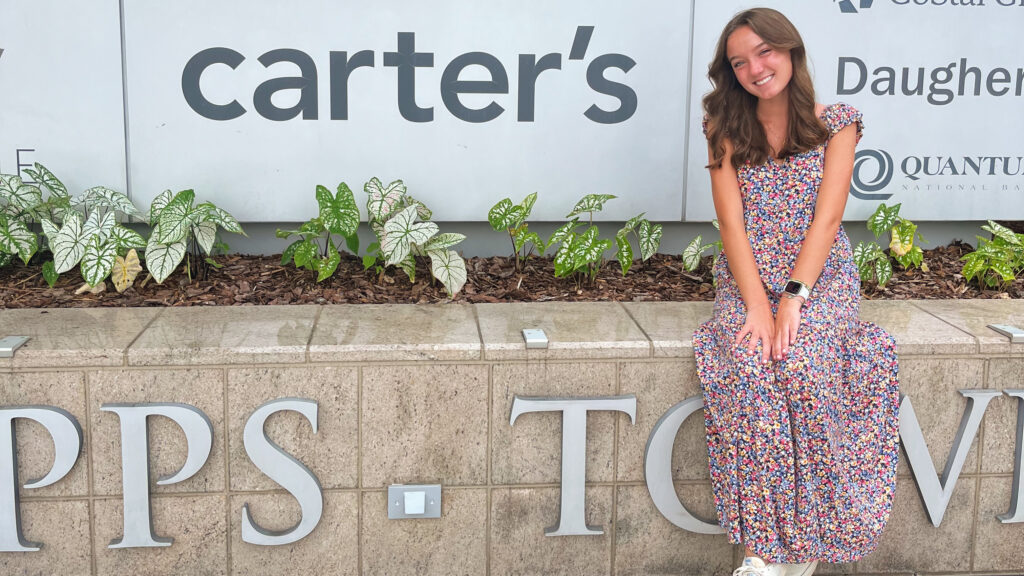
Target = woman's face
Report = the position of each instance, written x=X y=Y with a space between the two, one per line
x=762 y=70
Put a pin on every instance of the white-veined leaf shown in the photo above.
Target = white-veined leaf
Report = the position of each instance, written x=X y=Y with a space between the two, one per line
x=527 y=204
x=1002 y=268
x=402 y=231
x=564 y=231
x=98 y=226
x=177 y=217
x=408 y=265
x=206 y=235
x=16 y=238
x=330 y=264
x=504 y=215
x=443 y=241
x=590 y=203
x=68 y=245
x=632 y=222
x=525 y=236
x=49 y=229
x=422 y=211
x=883 y=219
x=220 y=217
x=564 y=261
x=449 y=268
x=1000 y=231
x=692 y=254
x=42 y=175
x=98 y=261
x=24 y=196
x=624 y=252
x=883 y=271
x=159 y=203
x=382 y=201
x=650 y=239
x=127 y=238
x=339 y=213
x=162 y=259
x=974 y=264
x=103 y=197
x=125 y=270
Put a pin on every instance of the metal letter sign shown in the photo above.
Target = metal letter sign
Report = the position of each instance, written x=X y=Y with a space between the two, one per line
x=138 y=527
x=934 y=491
x=67 y=442
x=658 y=468
x=1016 y=513
x=571 y=520
x=284 y=469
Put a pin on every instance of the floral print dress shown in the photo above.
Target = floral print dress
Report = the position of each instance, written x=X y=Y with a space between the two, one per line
x=802 y=451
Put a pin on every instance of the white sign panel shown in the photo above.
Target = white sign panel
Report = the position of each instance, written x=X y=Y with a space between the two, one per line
x=941 y=86
x=61 y=103
x=254 y=103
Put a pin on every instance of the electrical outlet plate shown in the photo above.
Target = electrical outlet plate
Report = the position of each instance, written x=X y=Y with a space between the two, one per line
x=9 y=344
x=397 y=500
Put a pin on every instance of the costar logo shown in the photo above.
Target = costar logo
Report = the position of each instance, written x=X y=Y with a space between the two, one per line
x=872 y=171
x=847 y=7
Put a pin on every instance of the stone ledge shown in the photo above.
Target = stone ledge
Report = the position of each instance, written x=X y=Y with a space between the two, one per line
x=99 y=337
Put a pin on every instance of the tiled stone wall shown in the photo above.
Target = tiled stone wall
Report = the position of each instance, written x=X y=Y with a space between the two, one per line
x=411 y=394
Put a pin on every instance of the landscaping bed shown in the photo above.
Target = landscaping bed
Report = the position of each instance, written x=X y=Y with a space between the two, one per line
x=250 y=280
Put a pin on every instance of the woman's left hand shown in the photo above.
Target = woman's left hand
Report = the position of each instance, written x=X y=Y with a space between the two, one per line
x=787 y=323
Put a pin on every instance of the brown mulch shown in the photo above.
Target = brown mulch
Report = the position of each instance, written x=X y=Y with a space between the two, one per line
x=250 y=280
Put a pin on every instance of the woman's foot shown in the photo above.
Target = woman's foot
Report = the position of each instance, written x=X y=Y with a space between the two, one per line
x=805 y=569
x=754 y=566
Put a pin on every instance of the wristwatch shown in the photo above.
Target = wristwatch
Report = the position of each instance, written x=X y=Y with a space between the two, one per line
x=796 y=289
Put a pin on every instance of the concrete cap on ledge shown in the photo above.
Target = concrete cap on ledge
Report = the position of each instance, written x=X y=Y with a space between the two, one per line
x=73 y=336
x=974 y=316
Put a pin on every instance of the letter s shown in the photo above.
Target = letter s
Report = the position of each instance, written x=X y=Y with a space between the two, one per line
x=284 y=469
x=193 y=93
x=600 y=84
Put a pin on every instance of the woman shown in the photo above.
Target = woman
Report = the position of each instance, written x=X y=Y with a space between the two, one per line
x=800 y=396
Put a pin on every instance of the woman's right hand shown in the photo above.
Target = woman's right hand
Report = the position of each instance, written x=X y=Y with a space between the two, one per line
x=758 y=327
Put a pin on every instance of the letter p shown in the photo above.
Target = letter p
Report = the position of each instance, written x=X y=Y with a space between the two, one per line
x=67 y=443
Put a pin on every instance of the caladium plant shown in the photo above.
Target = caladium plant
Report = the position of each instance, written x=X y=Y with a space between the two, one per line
x=403 y=229
x=180 y=228
x=648 y=238
x=512 y=219
x=315 y=249
x=580 y=253
x=83 y=231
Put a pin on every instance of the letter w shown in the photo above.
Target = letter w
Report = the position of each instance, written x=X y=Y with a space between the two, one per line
x=934 y=491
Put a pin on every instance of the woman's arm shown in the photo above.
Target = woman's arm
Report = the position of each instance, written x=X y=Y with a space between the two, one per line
x=725 y=191
x=821 y=234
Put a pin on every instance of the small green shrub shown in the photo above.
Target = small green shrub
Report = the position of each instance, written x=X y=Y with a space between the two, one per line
x=872 y=261
x=648 y=238
x=181 y=228
x=315 y=249
x=580 y=254
x=998 y=260
x=512 y=218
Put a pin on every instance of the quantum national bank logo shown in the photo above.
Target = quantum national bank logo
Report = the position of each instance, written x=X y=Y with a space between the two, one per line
x=874 y=170
x=850 y=7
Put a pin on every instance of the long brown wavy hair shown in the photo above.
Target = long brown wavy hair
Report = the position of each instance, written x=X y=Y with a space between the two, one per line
x=732 y=111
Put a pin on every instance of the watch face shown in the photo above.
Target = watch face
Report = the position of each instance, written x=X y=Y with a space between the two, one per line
x=792 y=287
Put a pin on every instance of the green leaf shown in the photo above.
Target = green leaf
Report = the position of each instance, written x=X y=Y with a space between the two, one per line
x=213 y=263
x=5 y=259
x=408 y=265
x=50 y=273
x=289 y=252
x=505 y=215
x=103 y=197
x=158 y=204
x=443 y=241
x=369 y=261
x=632 y=222
x=402 y=231
x=650 y=239
x=883 y=271
x=305 y=253
x=716 y=225
x=449 y=268
x=692 y=254
x=329 y=264
x=284 y=234
x=1004 y=270
x=98 y=261
x=205 y=234
x=162 y=259
x=883 y=219
x=127 y=238
x=526 y=236
x=590 y=203
x=564 y=231
x=1000 y=231
x=382 y=200
x=43 y=176
x=68 y=246
x=588 y=249
x=339 y=214
x=176 y=218
x=624 y=253
x=352 y=242
x=564 y=261
x=24 y=196
x=527 y=205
